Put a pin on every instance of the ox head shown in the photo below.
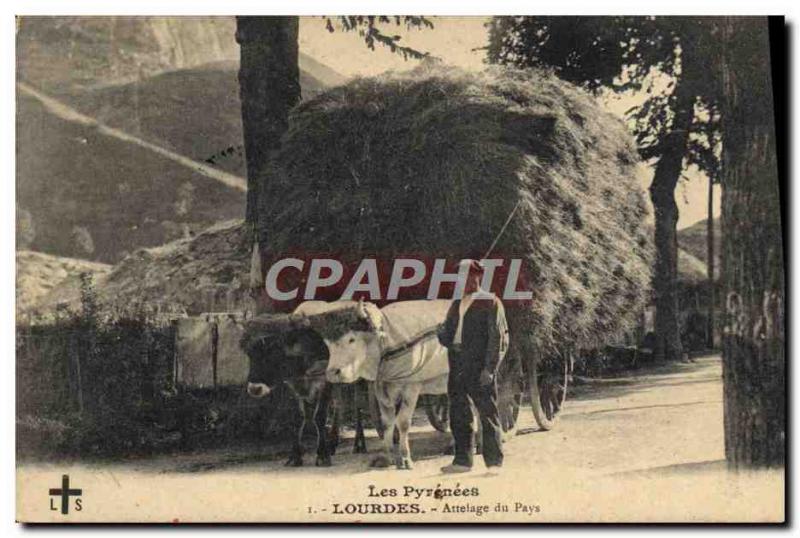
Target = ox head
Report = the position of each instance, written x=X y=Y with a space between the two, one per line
x=352 y=336
x=279 y=359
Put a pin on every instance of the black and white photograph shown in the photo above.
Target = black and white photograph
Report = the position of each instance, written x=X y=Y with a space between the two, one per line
x=397 y=269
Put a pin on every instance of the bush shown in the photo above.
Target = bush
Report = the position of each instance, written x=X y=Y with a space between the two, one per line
x=93 y=385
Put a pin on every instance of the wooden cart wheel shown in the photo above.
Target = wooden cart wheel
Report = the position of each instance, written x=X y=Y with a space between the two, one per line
x=437 y=408
x=547 y=388
x=510 y=389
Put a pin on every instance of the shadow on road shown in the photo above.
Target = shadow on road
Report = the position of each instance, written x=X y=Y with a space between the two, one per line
x=705 y=369
x=676 y=469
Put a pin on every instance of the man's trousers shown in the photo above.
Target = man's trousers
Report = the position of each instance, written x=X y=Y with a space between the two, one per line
x=463 y=386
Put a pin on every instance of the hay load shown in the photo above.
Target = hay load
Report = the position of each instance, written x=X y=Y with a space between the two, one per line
x=204 y=273
x=432 y=162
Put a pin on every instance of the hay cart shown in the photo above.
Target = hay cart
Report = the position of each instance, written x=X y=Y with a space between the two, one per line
x=436 y=161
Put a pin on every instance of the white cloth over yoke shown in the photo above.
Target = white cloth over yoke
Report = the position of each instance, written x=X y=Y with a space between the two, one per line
x=411 y=352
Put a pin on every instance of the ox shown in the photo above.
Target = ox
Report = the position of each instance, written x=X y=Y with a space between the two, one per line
x=397 y=348
x=285 y=350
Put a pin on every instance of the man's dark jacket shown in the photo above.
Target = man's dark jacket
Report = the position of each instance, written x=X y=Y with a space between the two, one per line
x=484 y=336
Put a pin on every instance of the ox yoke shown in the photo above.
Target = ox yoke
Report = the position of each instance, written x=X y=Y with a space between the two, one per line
x=410 y=350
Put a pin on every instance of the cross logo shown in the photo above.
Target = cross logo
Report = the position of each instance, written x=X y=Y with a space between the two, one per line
x=65 y=493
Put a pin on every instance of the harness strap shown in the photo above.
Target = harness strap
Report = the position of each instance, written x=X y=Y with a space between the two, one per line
x=398 y=350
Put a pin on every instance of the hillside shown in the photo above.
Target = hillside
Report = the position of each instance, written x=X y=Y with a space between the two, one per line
x=77 y=183
x=694 y=240
x=207 y=272
x=195 y=112
x=128 y=197
x=691 y=270
x=169 y=81
x=60 y=54
x=41 y=277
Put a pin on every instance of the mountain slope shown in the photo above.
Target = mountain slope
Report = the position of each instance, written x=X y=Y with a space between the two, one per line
x=195 y=112
x=58 y=53
x=691 y=270
x=127 y=197
x=171 y=82
x=694 y=240
x=70 y=178
x=40 y=276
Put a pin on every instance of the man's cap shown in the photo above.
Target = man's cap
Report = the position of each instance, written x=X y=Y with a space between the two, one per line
x=475 y=266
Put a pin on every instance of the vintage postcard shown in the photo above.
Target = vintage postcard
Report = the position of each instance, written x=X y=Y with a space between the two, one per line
x=400 y=269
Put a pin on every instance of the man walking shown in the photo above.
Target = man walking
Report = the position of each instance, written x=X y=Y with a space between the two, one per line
x=476 y=335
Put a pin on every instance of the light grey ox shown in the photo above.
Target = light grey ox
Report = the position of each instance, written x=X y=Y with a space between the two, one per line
x=395 y=347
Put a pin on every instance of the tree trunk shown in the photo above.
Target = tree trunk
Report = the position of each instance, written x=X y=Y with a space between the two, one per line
x=662 y=193
x=712 y=300
x=753 y=263
x=269 y=86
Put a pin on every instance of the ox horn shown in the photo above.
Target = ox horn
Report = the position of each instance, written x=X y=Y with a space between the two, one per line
x=363 y=314
x=362 y=311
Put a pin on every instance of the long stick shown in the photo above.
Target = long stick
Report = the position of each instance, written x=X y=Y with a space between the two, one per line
x=502 y=230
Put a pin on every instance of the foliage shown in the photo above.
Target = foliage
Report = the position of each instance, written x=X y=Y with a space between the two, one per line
x=95 y=383
x=623 y=54
x=369 y=27
x=98 y=381
x=672 y=61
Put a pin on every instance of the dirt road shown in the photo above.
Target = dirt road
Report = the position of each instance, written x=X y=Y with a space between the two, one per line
x=648 y=448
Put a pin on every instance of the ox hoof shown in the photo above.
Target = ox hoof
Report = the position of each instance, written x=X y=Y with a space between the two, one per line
x=405 y=464
x=294 y=461
x=380 y=461
x=323 y=461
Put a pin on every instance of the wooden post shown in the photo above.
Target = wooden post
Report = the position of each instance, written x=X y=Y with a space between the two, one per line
x=78 y=381
x=710 y=265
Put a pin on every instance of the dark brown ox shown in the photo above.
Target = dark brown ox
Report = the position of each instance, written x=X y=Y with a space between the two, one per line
x=285 y=350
